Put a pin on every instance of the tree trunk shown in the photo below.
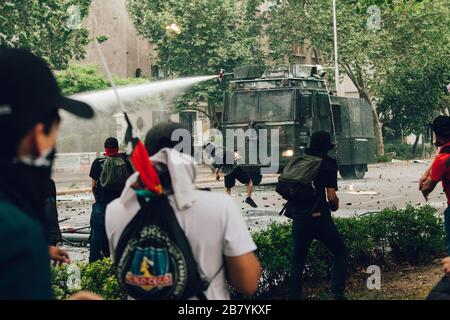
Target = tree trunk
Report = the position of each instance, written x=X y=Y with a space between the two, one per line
x=357 y=79
x=416 y=142
x=422 y=151
x=377 y=126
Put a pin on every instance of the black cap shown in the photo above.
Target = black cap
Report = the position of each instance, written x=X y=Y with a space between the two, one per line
x=321 y=141
x=441 y=126
x=160 y=136
x=29 y=91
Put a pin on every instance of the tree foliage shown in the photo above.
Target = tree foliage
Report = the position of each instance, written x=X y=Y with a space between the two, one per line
x=49 y=28
x=375 y=39
x=413 y=90
x=200 y=37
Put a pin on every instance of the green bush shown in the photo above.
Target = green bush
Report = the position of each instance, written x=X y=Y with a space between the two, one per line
x=413 y=235
x=384 y=158
x=98 y=277
x=82 y=78
x=401 y=150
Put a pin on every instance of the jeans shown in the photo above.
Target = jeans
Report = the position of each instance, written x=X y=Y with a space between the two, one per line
x=305 y=229
x=447 y=228
x=99 y=246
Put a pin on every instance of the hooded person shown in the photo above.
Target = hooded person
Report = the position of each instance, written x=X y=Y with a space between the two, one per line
x=29 y=123
x=212 y=222
x=312 y=220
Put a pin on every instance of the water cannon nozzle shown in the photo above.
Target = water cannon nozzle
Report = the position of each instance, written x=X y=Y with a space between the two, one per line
x=221 y=74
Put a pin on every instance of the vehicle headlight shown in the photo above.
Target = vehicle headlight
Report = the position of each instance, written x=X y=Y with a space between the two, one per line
x=287 y=153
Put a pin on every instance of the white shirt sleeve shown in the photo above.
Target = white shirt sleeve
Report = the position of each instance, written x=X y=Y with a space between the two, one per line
x=237 y=238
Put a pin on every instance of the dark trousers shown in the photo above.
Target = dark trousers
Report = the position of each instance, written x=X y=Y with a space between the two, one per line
x=99 y=247
x=447 y=228
x=305 y=229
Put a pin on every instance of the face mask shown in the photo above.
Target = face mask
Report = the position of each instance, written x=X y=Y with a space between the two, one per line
x=43 y=162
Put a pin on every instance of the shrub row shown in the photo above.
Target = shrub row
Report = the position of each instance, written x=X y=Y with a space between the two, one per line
x=412 y=235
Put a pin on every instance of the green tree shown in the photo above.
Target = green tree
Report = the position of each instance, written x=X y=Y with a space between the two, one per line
x=200 y=37
x=50 y=28
x=369 y=48
x=414 y=91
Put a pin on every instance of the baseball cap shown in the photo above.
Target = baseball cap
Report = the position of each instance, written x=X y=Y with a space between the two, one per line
x=29 y=91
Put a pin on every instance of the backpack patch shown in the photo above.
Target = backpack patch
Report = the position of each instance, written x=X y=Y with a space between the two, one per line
x=154 y=260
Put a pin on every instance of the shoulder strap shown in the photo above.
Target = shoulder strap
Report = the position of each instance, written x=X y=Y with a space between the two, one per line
x=201 y=295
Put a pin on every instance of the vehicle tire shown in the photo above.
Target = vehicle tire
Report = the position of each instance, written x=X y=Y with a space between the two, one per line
x=256 y=178
x=355 y=171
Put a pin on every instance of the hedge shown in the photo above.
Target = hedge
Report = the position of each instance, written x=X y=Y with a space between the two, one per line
x=412 y=235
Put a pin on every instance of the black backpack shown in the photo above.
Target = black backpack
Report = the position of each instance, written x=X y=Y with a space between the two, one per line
x=154 y=259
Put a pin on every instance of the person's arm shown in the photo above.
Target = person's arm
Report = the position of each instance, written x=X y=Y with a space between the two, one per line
x=424 y=177
x=333 y=199
x=93 y=185
x=446 y=265
x=243 y=268
x=427 y=187
x=243 y=273
x=434 y=174
x=218 y=174
x=94 y=174
x=330 y=171
x=58 y=255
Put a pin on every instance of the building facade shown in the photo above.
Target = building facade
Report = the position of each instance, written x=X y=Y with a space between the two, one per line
x=127 y=54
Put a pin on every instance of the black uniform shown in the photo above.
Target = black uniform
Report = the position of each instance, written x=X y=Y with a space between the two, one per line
x=308 y=225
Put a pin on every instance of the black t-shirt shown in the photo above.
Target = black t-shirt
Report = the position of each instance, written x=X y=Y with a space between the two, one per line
x=326 y=178
x=102 y=195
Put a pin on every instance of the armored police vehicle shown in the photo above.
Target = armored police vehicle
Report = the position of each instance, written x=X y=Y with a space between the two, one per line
x=295 y=101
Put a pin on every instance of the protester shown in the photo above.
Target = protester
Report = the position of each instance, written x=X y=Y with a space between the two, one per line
x=224 y=161
x=212 y=222
x=440 y=170
x=109 y=174
x=312 y=220
x=51 y=213
x=51 y=227
x=29 y=123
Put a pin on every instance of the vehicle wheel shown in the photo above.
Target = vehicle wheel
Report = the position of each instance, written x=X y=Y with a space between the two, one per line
x=356 y=171
x=256 y=179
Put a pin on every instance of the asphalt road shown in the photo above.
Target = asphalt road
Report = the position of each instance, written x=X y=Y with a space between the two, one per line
x=385 y=185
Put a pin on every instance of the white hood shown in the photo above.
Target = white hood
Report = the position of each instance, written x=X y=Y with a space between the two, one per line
x=182 y=171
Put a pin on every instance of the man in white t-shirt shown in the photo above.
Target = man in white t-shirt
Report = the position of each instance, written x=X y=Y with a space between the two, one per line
x=218 y=235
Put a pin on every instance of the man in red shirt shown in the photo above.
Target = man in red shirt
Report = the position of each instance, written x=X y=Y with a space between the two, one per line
x=440 y=168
